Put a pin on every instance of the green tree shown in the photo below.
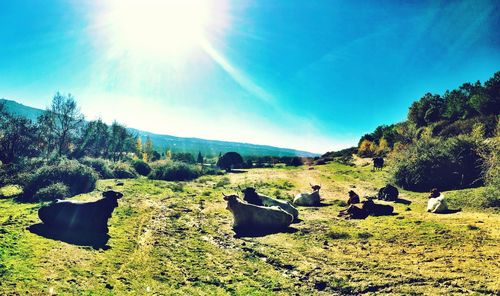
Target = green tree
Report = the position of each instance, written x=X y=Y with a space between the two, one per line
x=17 y=137
x=94 y=140
x=138 y=147
x=121 y=141
x=148 y=149
x=65 y=121
x=199 y=159
x=426 y=110
x=183 y=157
x=230 y=160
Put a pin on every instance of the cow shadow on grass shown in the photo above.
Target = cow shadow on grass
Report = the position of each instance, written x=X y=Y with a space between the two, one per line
x=449 y=212
x=320 y=205
x=403 y=201
x=246 y=232
x=79 y=238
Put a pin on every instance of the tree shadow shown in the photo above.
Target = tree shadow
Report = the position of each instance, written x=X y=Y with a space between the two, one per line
x=74 y=237
x=247 y=232
x=320 y=205
x=237 y=171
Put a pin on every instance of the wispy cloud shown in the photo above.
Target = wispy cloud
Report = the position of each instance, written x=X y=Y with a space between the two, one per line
x=236 y=74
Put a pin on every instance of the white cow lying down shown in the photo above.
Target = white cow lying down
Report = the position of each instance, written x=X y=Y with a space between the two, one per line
x=251 y=196
x=437 y=204
x=256 y=218
x=308 y=199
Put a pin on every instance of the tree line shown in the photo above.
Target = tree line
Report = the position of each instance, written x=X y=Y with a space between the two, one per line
x=62 y=131
x=453 y=113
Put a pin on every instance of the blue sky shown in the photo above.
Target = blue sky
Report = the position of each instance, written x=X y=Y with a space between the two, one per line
x=311 y=75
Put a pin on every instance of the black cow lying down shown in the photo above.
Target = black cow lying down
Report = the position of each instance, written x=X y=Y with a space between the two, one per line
x=86 y=216
x=369 y=208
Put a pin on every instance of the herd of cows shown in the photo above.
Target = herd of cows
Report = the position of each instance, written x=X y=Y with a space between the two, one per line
x=255 y=213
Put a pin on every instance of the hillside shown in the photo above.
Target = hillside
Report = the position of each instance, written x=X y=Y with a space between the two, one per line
x=181 y=144
x=175 y=238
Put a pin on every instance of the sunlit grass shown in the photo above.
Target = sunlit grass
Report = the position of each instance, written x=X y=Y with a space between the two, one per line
x=176 y=238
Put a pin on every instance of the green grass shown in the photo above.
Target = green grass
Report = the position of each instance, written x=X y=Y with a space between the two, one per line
x=171 y=238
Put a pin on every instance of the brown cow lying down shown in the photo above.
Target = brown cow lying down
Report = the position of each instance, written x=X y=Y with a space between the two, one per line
x=250 y=217
x=353 y=198
x=86 y=216
x=369 y=208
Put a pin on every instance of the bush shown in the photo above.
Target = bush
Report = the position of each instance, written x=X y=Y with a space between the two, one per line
x=450 y=164
x=78 y=177
x=123 y=170
x=175 y=171
x=19 y=172
x=230 y=160
x=53 y=192
x=211 y=171
x=141 y=167
x=101 y=166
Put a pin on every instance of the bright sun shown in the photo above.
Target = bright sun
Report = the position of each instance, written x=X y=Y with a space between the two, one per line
x=159 y=29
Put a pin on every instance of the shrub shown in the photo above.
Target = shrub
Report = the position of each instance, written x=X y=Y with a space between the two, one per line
x=101 y=166
x=53 y=192
x=19 y=172
x=491 y=169
x=123 y=170
x=174 y=171
x=78 y=177
x=141 y=167
x=230 y=160
x=211 y=171
x=10 y=191
x=450 y=164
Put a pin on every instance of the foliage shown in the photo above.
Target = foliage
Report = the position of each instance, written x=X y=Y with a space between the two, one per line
x=450 y=164
x=426 y=110
x=100 y=165
x=94 y=140
x=141 y=167
x=367 y=148
x=121 y=142
x=199 y=159
x=52 y=192
x=10 y=191
x=63 y=120
x=124 y=170
x=174 y=171
x=230 y=160
x=211 y=171
x=490 y=151
x=78 y=177
x=17 y=137
x=183 y=157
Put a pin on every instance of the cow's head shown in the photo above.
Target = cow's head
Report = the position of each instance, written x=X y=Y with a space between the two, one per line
x=249 y=191
x=231 y=199
x=112 y=194
x=434 y=193
x=315 y=187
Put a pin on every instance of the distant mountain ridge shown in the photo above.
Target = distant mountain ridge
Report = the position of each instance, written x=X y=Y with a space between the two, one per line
x=180 y=144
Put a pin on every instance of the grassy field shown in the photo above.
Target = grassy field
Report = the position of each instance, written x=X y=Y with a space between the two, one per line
x=169 y=238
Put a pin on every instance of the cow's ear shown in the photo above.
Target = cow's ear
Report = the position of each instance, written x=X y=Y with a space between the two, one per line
x=118 y=195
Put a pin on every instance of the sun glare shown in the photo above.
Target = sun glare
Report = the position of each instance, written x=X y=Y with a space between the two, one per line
x=158 y=28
